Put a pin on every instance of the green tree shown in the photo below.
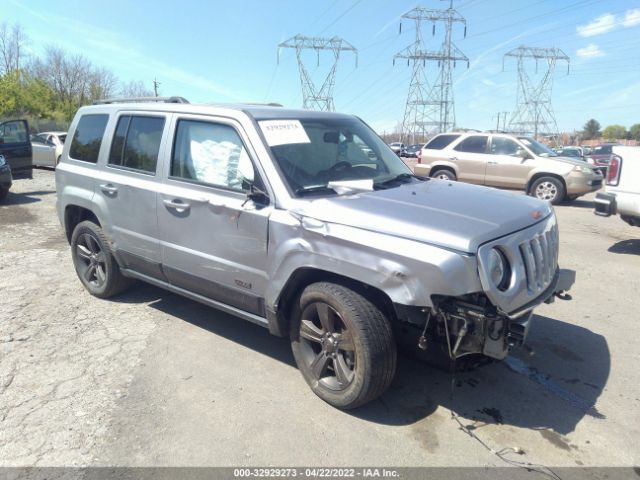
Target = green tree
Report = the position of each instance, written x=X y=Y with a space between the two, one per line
x=591 y=129
x=634 y=132
x=23 y=95
x=613 y=132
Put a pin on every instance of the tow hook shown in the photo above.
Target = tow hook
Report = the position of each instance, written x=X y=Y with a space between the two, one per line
x=563 y=295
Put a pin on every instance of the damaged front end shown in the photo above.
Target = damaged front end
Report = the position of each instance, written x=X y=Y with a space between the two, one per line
x=490 y=322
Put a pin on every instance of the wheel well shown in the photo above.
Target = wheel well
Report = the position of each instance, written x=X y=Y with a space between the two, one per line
x=73 y=215
x=303 y=277
x=542 y=174
x=442 y=167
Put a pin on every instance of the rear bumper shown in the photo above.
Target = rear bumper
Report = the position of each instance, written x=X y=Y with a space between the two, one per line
x=605 y=204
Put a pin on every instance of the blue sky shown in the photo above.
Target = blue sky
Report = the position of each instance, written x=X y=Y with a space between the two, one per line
x=225 y=51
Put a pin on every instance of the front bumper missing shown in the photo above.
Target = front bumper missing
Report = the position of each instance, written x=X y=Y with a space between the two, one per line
x=470 y=328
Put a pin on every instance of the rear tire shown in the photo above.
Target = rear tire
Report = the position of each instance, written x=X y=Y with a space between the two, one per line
x=444 y=174
x=343 y=345
x=95 y=265
x=548 y=188
x=3 y=193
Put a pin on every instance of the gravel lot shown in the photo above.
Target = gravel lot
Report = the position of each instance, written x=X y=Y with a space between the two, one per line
x=150 y=378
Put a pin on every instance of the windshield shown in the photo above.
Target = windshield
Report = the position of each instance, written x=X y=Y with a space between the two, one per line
x=537 y=147
x=314 y=152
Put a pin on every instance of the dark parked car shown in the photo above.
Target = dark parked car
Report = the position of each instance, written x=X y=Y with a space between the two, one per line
x=571 y=152
x=5 y=178
x=600 y=156
x=413 y=150
x=15 y=146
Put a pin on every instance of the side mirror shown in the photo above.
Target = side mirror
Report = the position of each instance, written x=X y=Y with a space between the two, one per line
x=523 y=154
x=258 y=196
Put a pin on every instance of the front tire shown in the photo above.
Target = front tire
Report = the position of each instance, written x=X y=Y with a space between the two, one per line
x=444 y=174
x=96 y=267
x=343 y=345
x=3 y=193
x=548 y=188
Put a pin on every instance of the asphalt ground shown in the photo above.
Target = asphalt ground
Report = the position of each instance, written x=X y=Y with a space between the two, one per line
x=152 y=379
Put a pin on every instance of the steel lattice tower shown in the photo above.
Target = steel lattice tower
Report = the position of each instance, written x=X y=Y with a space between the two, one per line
x=431 y=107
x=534 y=113
x=312 y=98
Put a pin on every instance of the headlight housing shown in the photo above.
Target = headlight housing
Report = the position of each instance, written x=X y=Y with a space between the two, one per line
x=580 y=168
x=499 y=269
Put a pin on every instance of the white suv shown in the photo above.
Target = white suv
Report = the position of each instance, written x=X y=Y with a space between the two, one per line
x=622 y=194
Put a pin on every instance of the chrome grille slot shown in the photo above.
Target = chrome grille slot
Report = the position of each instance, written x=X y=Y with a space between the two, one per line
x=540 y=256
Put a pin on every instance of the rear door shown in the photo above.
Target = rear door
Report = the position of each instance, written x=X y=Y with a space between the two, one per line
x=470 y=155
x=506 y=167
x=15 y=145
x=128 y=189
x=214 y=239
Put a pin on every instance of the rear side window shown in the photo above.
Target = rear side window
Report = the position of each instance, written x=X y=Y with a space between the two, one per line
x=473 y=144
x=212 y=154
x=87 y=138
x=441 y=141
x=136 y=143
x=603 y=150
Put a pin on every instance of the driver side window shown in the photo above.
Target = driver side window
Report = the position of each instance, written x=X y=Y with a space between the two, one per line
x=212 y=154
x=504 y=146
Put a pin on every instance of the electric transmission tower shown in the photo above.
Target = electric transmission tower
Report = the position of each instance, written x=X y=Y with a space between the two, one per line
x=312 y=97
x=534 y=113
x=430 y=107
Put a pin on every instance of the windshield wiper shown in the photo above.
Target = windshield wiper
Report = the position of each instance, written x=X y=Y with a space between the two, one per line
x=314 y=189
x=402 y=178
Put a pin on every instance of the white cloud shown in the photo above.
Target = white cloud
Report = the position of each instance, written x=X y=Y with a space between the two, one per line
x=602 y=24
x=607 y=22
x=590 y=51
x=631 y=18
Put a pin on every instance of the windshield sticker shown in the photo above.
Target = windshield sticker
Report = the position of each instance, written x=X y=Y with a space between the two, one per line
x=283 y=132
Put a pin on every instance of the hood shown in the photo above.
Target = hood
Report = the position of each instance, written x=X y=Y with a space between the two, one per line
x=569 y=160
x=453 y=215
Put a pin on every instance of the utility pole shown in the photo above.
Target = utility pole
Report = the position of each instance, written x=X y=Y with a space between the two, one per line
x=431 y=106
x=312 y=97
x=504 y=120
x=534 y=112
x=497 y=121
x=156 y=84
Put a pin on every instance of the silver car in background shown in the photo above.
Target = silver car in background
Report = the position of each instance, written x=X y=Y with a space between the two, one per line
x=47 y=148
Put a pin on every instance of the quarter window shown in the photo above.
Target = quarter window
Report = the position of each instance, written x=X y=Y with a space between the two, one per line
x=136 y=143
x=473 y=144
x=87 y=138
x=504 y=146
x=211 y=153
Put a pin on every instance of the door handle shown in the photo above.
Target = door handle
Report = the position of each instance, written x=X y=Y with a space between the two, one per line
x=453 y=158
x=492 y=162
x=177 y=204
x=108 y=189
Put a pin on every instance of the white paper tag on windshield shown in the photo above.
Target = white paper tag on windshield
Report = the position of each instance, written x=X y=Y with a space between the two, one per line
x=283 y=132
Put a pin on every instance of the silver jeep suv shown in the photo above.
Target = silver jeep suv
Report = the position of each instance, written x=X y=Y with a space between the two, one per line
x=308 y=224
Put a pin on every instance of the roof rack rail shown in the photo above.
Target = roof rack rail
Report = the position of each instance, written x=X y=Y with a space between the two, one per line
x=270 y=104
x=106 y=101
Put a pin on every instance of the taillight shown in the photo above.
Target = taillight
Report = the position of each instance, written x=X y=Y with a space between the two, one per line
x=419 y=156
x=613 y=170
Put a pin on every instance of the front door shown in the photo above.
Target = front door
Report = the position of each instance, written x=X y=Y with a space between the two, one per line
x=506 y=167
x=213 y=238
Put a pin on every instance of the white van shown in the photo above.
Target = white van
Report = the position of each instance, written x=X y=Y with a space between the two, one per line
x=622 y=193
